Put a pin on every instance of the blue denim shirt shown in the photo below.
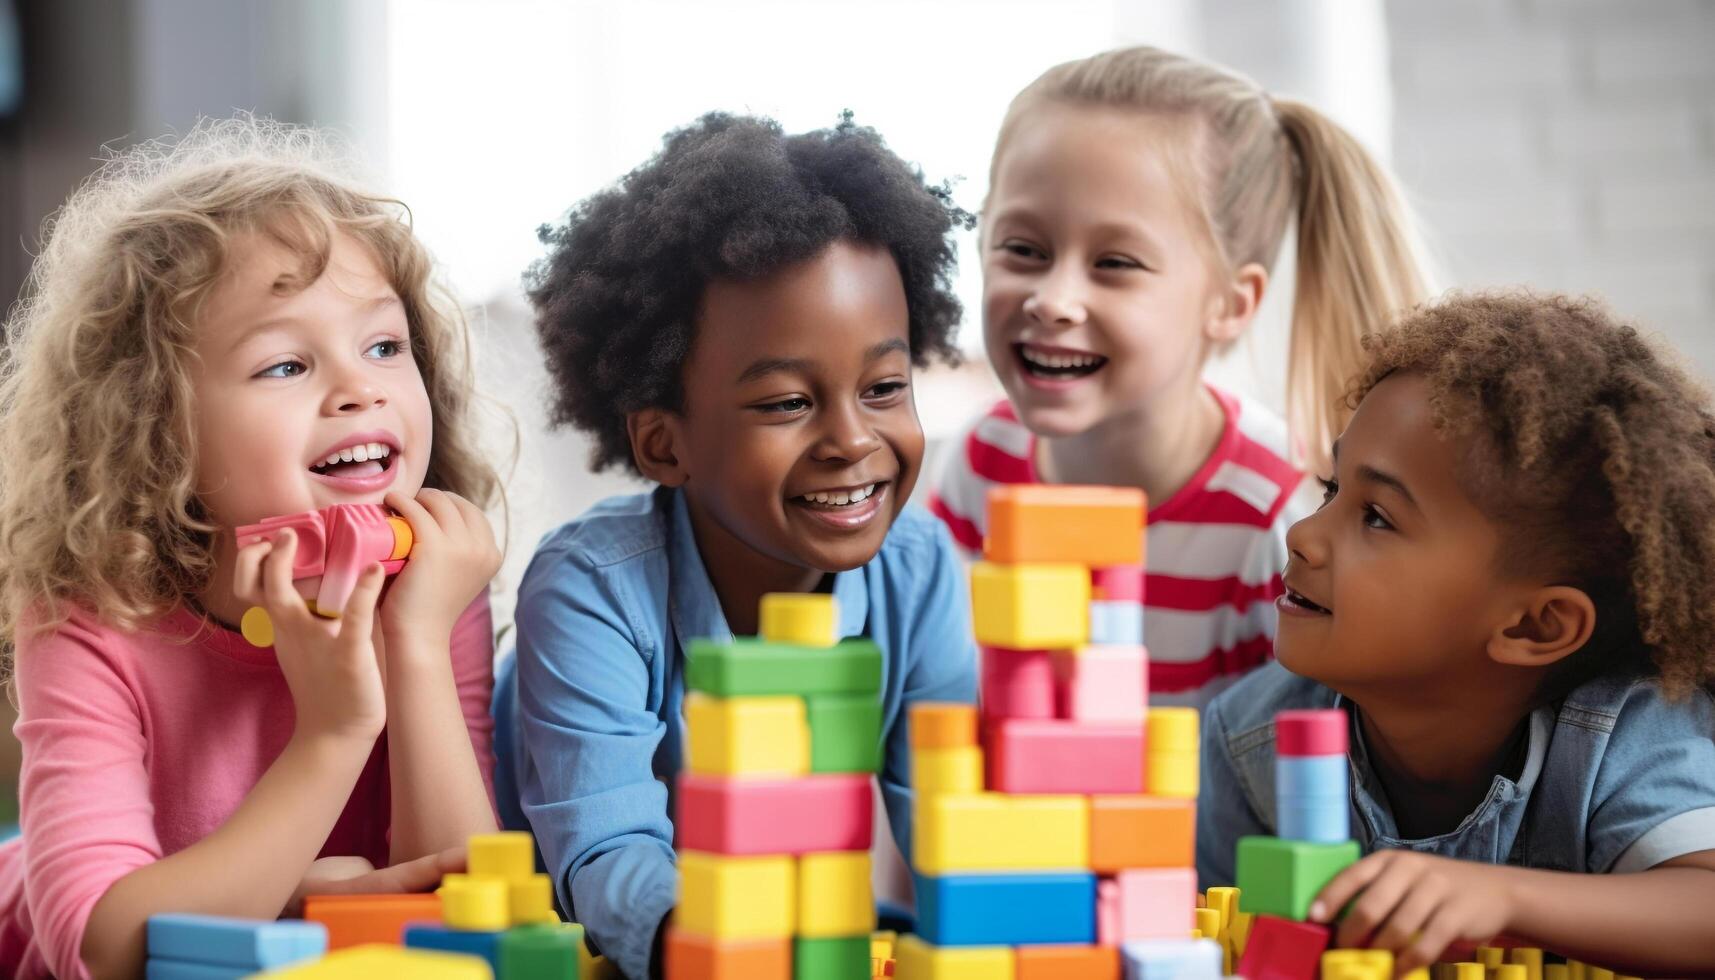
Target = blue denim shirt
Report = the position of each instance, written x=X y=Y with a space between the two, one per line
x=589 y=728
x=1616 y=778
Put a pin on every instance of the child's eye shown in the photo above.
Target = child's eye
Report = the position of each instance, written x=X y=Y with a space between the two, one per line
x=1375 y=519
x=1329 y=489
x=1117 y=262
x=785 y=406
x=284 y=369
x=387 y=348
x=1023 y=250
x=886 y=388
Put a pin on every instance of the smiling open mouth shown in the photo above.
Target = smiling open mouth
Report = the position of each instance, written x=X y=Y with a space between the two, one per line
x=1057 y=365
x=1301 y=602
x=838 y=499
x=356 y=462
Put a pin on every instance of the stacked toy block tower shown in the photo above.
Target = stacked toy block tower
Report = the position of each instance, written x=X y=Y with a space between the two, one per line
x=1053 y=829
x=775 y=813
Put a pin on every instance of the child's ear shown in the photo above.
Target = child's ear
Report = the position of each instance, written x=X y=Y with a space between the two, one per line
x=655 y=446
x=1234 y=306
x=1556 y=623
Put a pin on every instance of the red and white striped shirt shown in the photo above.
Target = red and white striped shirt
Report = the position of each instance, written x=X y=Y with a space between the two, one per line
x=1215 y=549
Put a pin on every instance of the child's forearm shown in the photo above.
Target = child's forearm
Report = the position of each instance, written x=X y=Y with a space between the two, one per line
x=1653 y=922
x=439 y=798
x=249 y=867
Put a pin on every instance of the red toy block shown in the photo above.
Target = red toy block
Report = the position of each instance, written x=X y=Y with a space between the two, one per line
x=1066 y=963
x=1102 y=684
x=693 y=957
x=1036 y=522
x=1117 y=583
x=1065 y=757
x=353 y=920
x=1017 y=683
x=720 y=815
x=1279 y=949
x=1141 y=832
x=1310 y=732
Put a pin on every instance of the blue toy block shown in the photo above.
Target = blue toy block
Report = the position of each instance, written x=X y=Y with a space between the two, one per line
x=1321 y=823
x=1310 y=776
x=467 y=941
x=1311 y=801
x=159 y=969
x=252 y=944
x=1006 y=909
x=1116 y=623
x=1172 y=959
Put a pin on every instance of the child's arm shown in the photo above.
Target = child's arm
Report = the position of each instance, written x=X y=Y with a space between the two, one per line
x=440 y=786
x=1653 y=922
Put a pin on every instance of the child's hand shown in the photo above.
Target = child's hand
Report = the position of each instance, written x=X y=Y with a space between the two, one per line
x=356 y=876
x=1415 y=905
x=453 y=558
x=330 y=665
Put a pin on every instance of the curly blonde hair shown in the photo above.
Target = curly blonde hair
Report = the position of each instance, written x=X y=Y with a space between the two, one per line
x=97 y=443
x=1593 y=450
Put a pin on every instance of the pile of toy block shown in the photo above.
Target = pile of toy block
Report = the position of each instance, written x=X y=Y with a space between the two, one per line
x=1052 y=834
x=775 y=809
x=207 y=947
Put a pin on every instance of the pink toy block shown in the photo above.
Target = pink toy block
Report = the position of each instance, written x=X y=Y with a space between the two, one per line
x=1108 y=912
x=1156 y=903
x=1298 y=733
x=1117 y=583
x=1279 y=949
x=1102 y=684
x=337 y=543
x=1031 y=756
x=775 y=816
x=1017 y=683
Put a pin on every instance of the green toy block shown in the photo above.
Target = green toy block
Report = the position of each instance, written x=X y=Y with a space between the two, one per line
x=749 y=666
x=846 y=958
x=541 y=952
x=1280 y=877
x=845 y=732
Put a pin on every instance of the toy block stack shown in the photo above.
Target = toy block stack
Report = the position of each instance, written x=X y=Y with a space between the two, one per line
x=208 y=947
x=1053 y=828
x=775 y=808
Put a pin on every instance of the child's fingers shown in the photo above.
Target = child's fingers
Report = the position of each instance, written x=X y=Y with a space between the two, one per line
x=446 y=513
x=1374 y=906
x=1337 y=892
x=422 y=524
x=1439 y=933
x=281 y=598
x=247 y=572
x=359 y=617
x=1409 y=916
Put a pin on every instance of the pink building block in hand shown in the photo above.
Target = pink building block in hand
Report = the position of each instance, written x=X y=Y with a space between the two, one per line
x=1102 y=684
x=1157 y=903
x=1017 y=683
x=1032 y=756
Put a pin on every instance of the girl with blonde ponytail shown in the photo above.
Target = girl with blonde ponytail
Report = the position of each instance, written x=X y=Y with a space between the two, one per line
x=1137 y=201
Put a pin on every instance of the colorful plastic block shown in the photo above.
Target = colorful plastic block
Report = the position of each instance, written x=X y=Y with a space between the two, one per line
x=371 y=961
x=1173 y=744
x=917 y=960
x=1116 y=622
x=1029 y=756
x=1038 y=522
x=805 y=620
x=736 y=897
x=942 y=725
x=775 y=816
x=1322 y=822
x=509 y=854
x=1311 y=800
x=693 y=957
x=1225 y=900
x=1102 y=684
x=1107 y=912
x=353 y=920
x=1172 y=959
x=167 y=969
x=750 y=667
x=1006 y=909
x=1208 y=923
x=1280 y=949
x=1156 y=903
x=1528 y=957
x=1281 y=877
x=957 y=770
x=1357 y=964
x=542 y=952
x=470 y=942
x=1310 y=732
x=834 y=895
x=218 y=940
x=845 y=732
x=1017 y=683
x=831 y=958
x=1117 y=583
x=1067 y=963
x=747 y=736
x=1031 y=607
x=476 y=903
x=1555 y=971
x=1141 y=832
x=993 y=832
x=530 y=901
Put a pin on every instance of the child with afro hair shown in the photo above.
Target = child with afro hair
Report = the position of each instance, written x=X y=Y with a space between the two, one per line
x=1510 y=586
x=737 y=320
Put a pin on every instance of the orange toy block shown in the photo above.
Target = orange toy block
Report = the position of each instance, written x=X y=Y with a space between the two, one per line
x=694 y=957
x=1052 y=523
x=353 y=920
x=1067 y=963
x=939 y=725
x=1141 y=832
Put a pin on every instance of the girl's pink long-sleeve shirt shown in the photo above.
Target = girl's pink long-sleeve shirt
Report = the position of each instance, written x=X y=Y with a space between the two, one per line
x=137 y=745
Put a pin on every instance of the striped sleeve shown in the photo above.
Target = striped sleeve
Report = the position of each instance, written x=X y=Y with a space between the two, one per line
x=996 y=449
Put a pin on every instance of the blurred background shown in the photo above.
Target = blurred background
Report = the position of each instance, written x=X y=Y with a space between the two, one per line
x=1565 y=144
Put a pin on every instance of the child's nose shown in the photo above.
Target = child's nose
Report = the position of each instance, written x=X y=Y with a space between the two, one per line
x=351 y=397
x=1305 y=541
x=1058 y=299
x=846 y=436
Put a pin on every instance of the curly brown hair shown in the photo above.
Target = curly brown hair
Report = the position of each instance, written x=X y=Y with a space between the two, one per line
x=1597 y=458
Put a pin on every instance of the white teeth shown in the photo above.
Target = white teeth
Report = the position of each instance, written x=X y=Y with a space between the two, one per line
x=358 y=454
x=840 y=498
x=1059 y=361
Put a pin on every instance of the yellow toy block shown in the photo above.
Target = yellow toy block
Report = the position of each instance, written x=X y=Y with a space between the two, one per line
x=1357 y=964
x=761 y=736
x=956 y=770
x=477 y=902
x=1466 y=971
x=1171 y=745
x=1224 y=900
x=1529 y=958
x=1239 y=929
x=1509 y=971
x=917 y=960
x=737 y=897
x=531 y=900
x=1492 y=957
x=1598 y=973
x=957 y=832
x=834 y=895
x=800 y=619
x=377 y=960
x=1031 y=607
x=1209 y=924
x=1556 y=971
x=510 y=854
x=940 y=725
